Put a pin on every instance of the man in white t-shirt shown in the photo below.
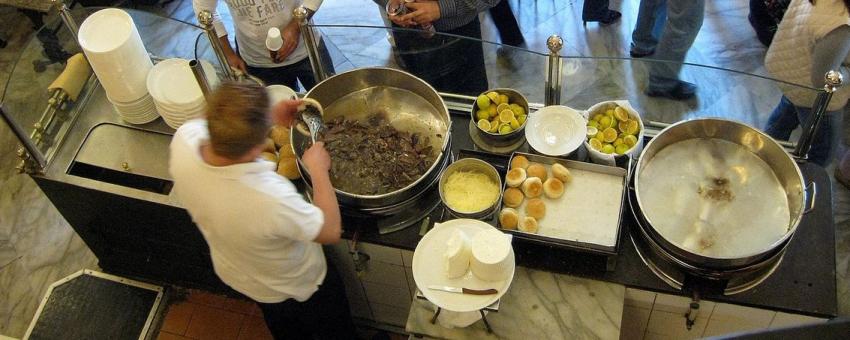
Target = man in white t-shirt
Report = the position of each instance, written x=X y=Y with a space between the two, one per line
x=264 y=238
x=252 y=20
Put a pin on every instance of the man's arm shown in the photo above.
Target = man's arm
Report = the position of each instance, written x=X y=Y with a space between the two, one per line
x=830 y=53
x=453 y=8
x=318 y=162
x=210 y=5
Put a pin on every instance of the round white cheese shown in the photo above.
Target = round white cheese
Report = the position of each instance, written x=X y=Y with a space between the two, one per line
x=457 y=255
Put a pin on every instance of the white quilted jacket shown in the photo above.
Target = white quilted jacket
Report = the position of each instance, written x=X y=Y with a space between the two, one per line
x=789 y=57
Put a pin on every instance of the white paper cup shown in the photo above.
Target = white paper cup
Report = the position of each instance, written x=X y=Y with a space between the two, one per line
x=491 y=251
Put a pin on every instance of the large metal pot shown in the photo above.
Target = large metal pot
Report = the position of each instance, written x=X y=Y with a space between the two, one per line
x=725 y=213
x=408 y=103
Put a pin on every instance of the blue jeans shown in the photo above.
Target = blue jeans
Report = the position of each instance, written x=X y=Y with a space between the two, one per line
x=669 y=27
x=786 y=117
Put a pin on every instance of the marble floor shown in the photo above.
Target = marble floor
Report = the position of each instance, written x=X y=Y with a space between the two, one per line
x=37 y=246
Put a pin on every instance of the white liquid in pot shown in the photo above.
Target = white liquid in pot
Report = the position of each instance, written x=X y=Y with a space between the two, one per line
x=714 y=198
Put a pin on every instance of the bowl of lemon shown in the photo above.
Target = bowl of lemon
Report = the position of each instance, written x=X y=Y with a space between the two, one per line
x=614 y=129
x=500 y=116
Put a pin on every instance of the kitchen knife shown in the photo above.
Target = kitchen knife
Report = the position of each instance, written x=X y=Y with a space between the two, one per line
x=459 y=290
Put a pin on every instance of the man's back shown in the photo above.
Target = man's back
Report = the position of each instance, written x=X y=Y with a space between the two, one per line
x=258 y=227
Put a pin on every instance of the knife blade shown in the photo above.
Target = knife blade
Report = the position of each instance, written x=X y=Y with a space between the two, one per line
x=459 y=290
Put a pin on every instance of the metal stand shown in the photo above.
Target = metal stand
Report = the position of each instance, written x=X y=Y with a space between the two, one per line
x=302 y=14
x=491 y=308
x=553 y=74
x=833 y=81
x=205 y=18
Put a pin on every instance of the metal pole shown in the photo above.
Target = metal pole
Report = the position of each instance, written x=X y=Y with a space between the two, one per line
x=302 y=15
x=29 y=147
x=833 y=81
x=200 y=77
x=553 y=74
x=205 y=18
x=67 y=19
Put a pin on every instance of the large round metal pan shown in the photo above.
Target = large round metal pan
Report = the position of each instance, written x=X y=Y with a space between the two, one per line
x=750 y=140
x=408 y=104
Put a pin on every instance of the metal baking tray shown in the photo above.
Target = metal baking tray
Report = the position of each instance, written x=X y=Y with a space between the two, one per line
x=589 y=214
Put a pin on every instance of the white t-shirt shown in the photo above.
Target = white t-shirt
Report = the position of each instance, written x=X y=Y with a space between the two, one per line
x=252 y=20
x=258 y=227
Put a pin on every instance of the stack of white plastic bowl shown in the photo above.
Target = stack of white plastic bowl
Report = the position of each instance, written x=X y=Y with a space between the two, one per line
x=176 y=92
x=114 y=49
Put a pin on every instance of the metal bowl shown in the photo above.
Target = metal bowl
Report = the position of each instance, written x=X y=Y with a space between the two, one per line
x=470 y=165
x=408 y=104
x=507 y=139
x=750 y=140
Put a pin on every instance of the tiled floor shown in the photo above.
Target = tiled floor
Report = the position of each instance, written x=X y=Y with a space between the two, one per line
x=37 y=246
x=203 y=315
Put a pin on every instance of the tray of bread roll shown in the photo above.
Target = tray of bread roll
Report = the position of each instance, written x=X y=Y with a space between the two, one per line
x=563 y=202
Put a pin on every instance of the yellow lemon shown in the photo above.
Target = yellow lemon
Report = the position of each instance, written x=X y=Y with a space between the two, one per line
x=609 y=112
x=605 y=122
x=483 y=102
x=482 y=114
x=494 y=97
x=503 y=107
x=506 y=116
x=503 y=99
x=517 y=109
x=494 y=125
x=621 y=149
x=608 y=149
x=595 y=144
x=629 y=127
x=484 y=125
x=514 y=123
x=505 y=129
x=594 y=124
x=609 y=135
x=617 y=142
x=621 y=114
x=521 y=119
x=597 y=117
x=492 y=111
x=592 y=131
x=630 y=140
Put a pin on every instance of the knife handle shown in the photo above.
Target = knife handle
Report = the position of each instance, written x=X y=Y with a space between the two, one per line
x=490 y=291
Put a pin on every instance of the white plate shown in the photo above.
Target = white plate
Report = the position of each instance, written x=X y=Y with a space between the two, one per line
x=429 y=269
x=555 y=130
x=171 y=81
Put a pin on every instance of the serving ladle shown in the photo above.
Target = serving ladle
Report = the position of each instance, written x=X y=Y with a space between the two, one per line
x=309 y=118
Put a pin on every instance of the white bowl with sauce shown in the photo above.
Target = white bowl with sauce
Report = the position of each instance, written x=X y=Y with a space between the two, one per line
x=556 y=130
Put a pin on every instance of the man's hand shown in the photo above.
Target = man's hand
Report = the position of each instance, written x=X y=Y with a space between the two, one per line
x=397 y=19
x=291 y=34
x=283 y=112
x=422 y=12
x=316 y=159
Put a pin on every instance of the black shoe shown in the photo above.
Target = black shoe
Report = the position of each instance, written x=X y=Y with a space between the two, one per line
x=640 y=54
x=608 y=18
x=682 y=91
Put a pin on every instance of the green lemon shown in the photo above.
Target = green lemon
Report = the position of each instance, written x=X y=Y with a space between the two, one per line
x=505 y=129
x=517 y=109
x=608 y=149
x=630 y=140
x=621 y=149
x=482 y=114
x=521 y=119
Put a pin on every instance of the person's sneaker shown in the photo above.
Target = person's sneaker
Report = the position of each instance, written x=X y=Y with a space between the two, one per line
x=682 y=91
x=638 y=54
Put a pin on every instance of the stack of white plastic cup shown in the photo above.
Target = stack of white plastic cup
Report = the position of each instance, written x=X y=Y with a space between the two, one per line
x=111 y=42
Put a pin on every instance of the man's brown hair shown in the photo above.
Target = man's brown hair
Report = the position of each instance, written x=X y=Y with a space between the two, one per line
x=237 y=118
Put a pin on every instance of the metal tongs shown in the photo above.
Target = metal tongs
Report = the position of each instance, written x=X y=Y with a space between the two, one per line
x=309 y=118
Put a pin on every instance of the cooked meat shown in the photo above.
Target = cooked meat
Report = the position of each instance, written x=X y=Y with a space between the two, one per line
x=373 y=158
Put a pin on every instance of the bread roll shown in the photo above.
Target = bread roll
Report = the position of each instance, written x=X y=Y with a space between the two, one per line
x=288 y=168
x=532 y=187
x=269 y=146
x=515 y=177
x=513 y=197
x=535 y=208
x=508 y=218
x=561 y=173
x=269 y=156
x=553 y=188
x=519 y=162
x=285 y=151
x=528 y=225
x=280 y=135
x=536 y=170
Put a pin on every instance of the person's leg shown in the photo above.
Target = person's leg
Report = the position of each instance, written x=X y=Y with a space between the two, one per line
x=684 y=20
x=282 y=320
x=332 y=314
x=652 y=14
x=469 y=76
x=506 y=24
x=783 y=120
x=593 y=9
